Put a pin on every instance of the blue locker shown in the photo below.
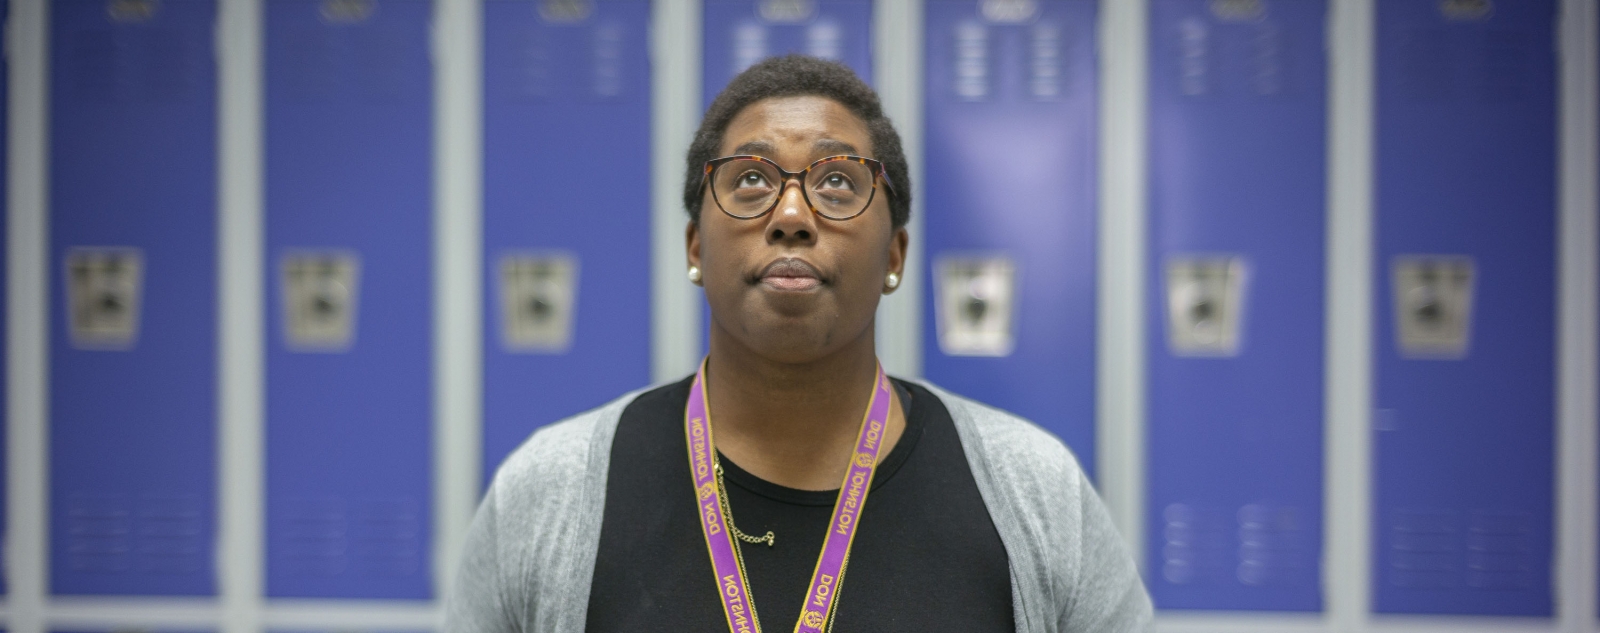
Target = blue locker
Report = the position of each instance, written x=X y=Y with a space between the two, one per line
x=1010 y=197
x=132 y=297
x=349 y=278
x=1235 y=296
x=739 y=33
x=1465 y=307
x=566 y=194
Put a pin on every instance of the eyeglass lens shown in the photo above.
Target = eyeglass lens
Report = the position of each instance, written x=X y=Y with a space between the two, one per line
x=838 y=189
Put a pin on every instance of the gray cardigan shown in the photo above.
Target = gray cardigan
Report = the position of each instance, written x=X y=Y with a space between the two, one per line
x=530 y=554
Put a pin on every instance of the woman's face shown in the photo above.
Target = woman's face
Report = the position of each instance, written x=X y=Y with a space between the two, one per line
x=791 y=285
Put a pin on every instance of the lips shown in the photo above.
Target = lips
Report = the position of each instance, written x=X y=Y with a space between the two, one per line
x=790 y=274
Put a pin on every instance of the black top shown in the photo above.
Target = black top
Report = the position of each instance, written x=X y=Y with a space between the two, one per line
x=926 y=556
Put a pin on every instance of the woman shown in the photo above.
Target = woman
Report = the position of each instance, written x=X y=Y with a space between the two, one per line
x=738 y=499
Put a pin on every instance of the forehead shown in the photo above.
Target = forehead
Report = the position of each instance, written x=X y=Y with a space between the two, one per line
x=797 y=127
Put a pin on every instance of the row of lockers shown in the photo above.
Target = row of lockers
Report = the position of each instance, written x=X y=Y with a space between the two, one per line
x=1465 y=213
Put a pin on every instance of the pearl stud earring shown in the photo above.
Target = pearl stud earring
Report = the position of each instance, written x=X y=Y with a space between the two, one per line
x=694 y=275
x=891 y=281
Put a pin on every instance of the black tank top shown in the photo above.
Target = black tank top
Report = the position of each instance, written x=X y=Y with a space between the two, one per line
x=926 y=557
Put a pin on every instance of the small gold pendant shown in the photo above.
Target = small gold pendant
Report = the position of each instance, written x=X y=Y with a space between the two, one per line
x=722 y=497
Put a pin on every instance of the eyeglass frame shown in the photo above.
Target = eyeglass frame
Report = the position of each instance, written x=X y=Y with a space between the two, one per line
x=878 y=171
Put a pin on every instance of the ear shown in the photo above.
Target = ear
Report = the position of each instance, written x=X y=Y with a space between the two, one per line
x=899 y=243
x=691 y=238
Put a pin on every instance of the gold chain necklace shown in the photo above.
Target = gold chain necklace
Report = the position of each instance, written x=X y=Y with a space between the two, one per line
x=769 y=539
x=722 y=497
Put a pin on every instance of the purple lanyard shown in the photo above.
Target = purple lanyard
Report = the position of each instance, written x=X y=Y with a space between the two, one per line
x=725 y=560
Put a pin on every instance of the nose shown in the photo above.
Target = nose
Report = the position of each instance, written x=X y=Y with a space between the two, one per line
x=792 y=221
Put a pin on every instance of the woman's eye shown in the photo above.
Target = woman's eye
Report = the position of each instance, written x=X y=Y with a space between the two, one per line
x=836 y=181
x=752 y=179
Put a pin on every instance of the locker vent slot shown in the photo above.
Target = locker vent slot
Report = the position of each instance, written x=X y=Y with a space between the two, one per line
x=388 y=538
x=380 y=537
x=1196 y=546
x=133 y=64
x=315 y=539
x=525 y=67
x=158 y=533
x=1425 y=544
x=100 y=533
x=1271 y=545
x=1499 y=551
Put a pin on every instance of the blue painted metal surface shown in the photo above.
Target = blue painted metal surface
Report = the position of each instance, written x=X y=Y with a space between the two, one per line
x=1466 y=149
x=132 y=429
x=1011 y=170
x=1237 y=165
x=566 y=172
x=739 y=33
x=349 y=169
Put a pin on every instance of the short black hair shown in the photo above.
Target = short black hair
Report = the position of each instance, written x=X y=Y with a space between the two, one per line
x=795 y=76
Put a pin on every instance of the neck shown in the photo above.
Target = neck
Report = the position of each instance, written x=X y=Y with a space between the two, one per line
x=793 y=424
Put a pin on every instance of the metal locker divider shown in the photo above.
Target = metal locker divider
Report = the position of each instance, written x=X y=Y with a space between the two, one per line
x=566 y=198
x=739 y=33
x=1237 y=135
x=349 y=284
x=1464 y=224
x=132 y=185
x=5 y=87
x=1010 y=200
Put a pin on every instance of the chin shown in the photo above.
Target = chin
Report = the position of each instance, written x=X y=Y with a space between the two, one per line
x=791 y=343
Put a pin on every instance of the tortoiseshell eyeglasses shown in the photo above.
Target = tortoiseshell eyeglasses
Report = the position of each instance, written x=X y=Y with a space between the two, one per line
x=836 y=187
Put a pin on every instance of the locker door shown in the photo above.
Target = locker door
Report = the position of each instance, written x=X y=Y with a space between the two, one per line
x=566 y=217
x=132 y=296
x=1235 y=295
x=1010 y=203
x=739 y=33
x=349 y=278
x=1464 y=258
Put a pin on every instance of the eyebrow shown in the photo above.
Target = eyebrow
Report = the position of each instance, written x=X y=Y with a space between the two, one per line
x=758 y=148
x=831 y=147
x=822 y=147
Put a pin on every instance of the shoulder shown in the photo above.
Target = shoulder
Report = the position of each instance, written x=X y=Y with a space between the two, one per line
x=1029 y=479
x=554 y=452
x=537 y=528
x=1071 y=570
x=560 y=455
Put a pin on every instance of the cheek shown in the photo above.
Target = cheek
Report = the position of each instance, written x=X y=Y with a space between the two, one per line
x=721 y=250
x=868 y=261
